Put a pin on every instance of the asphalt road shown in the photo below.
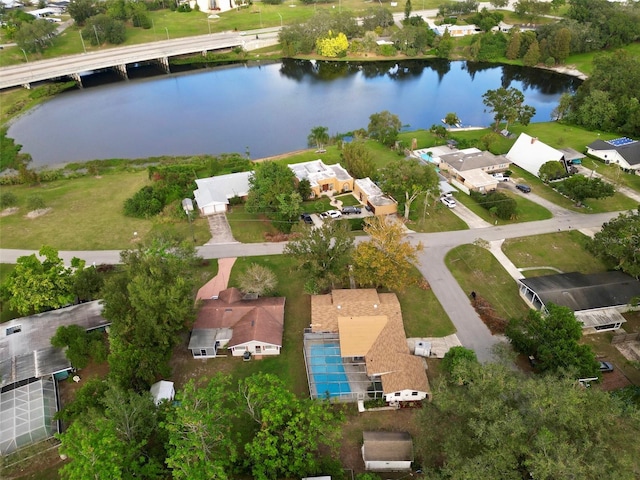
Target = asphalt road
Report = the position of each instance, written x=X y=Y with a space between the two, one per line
x=470 y=329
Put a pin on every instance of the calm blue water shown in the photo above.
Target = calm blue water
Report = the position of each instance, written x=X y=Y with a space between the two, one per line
x=268 y=109
x=328 y=371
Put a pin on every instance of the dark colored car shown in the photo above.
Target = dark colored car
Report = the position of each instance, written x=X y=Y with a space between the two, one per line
x=523 y=188
x=306 y=218
x=606 y=367
x=350 y=210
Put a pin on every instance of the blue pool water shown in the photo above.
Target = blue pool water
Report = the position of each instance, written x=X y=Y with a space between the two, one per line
x=328 y=371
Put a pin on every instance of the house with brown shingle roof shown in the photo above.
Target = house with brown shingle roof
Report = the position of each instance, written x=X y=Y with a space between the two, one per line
x=240 y=324
x=369 y=326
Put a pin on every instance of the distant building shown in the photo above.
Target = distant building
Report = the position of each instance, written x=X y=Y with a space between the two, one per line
x=471 y=170
x=456 y=30
x=624 y=152
x=324 y=179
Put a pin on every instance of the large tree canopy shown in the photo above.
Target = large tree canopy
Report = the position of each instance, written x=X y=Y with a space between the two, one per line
x=323 y=253
x=500 y=424
x=508 y=106
x=384 y=127
x=405 y=180
x=148 y=302
x=553 y=340
x=618 y=243
x=387 y=259
x=580 y=187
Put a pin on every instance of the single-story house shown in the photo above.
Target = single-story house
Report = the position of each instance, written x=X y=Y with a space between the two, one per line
x=370 y=194
x=29 y=365
x=371 y=341
x=214 y=5
x=238 y=323
x=471 y=170
x=597 y=299
x=456 y=30
x=621 y=151
x=213 y=193
x=162 y=390
x=387 y=451
x=530 y=154
x=323 y=178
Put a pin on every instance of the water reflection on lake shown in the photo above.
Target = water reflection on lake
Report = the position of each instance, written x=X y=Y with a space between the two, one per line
x=267 y=109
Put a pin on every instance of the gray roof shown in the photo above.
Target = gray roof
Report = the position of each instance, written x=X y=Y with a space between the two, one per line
x=585 y=292
x=470 y=161
x=387 y=446
x=207 y=337
x=630 y=151
x=28 y=352
x=220 y=189
x=571 y=154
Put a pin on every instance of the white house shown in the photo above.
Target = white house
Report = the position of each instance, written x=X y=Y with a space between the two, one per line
x=530 y=154
x=456 y=30
x=387 y=451
x=621 y=151
x=213 y=193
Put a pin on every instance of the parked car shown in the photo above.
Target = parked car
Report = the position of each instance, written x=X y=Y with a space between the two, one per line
x=449 y=202
x=350 y=210
x=500 y=177
x=606 y=367
x=306 y=218
x=447 y=195
x=523 y=188
x=332 y=214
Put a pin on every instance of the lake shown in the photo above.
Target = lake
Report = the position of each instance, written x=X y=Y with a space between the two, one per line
x=269 y=109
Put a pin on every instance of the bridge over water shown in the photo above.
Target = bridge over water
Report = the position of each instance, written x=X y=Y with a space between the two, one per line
x=118 y=58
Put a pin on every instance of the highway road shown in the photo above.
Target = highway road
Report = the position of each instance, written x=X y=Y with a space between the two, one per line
x=30 y=72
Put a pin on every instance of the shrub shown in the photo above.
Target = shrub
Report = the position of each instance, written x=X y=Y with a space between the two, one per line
x=35 y=202
x=497 y=203
x=146 y=203
x=7 y=199
x=387 y=50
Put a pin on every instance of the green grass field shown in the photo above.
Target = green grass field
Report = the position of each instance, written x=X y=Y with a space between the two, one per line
x=86 y=214
x=565 y=251
x=434 y=217
x=476 y=269
x=527 y=211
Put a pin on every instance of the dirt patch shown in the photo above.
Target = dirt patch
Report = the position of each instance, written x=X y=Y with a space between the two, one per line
x=629 y=350
x=9 y=211
x=37 y=213
x=613 y=380
x=494 y=322
x=67 y=389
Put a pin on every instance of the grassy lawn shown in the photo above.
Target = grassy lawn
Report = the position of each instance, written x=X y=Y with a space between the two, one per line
x=348 y=200
x=434 y=218
x=563 y=250
x=422 y=313
x=86 y=214
x=248 y=227
x=476 y=269
x=613 y=173
x=527 y=211
x=559 y=135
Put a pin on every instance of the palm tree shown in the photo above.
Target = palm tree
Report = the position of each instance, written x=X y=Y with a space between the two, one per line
x=318 y=137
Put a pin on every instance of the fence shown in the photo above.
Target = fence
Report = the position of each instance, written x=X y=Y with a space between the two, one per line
x=625 y=337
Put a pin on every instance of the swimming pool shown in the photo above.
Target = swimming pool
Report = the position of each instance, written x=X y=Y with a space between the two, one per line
x=325 y=365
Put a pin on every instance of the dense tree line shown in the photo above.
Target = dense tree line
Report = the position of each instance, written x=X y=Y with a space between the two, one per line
x=618 y=243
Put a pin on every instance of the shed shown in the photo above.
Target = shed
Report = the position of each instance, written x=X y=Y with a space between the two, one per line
x=162 y=390
x=387 y=451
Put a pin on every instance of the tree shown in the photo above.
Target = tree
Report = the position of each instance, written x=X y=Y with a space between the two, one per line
x=116 y=441
x=560 y=46
x=407 y=9
x=258 y=279
x=439 y=131
x=81 y=10
x=377 y=17
x=552 y=170
x=406 y=180
x=35 y=36
x=149 y=302
x=503 y=424
x=508 y=105
x=457 y=363
x=532 y=57
x=269 y=180
x=289 y=210
x=618 y=243
x=564 y=107
x=499 y=3
x=387 y=259
x=81 y=346
x=102 y=28
x=332 y=45
x=384 y=127
x=513 y=48
x=289 y=431
x=200 y=442
x=444 y=44
x=579 y=188
x=552 y=338
x=35 y=286
x=358 y=160
x=452 y=119
x=324 y=253
x=319 y=136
